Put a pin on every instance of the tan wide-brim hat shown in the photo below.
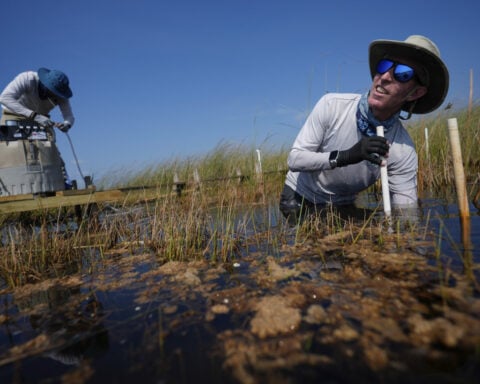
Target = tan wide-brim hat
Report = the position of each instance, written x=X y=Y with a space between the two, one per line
x=424 y=52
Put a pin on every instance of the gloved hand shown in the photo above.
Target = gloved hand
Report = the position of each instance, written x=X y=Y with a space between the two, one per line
x=366 y=149
x=44 y=121
x=64 y=127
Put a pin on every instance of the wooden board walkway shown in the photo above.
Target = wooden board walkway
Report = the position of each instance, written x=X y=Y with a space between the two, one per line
x=68 y=198
x=31 y=202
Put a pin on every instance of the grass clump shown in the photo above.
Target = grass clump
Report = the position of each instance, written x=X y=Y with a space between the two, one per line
x=435 y=163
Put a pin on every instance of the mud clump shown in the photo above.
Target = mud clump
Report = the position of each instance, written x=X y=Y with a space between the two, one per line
x=274 y=316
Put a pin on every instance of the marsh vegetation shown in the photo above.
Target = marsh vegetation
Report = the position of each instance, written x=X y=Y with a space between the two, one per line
x=209 y=279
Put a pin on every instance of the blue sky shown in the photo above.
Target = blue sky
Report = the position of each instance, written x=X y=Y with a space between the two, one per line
x=157 y=80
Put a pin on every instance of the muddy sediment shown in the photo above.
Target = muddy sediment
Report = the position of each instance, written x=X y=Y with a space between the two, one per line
x=331 y=309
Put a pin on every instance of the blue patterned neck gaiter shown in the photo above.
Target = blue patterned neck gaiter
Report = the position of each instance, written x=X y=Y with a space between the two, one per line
x=367 y=123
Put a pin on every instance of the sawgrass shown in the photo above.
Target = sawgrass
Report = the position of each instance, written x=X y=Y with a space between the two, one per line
x=225 y=162
x=216 y=218
x=435 y=161
x=230 y=162
x=193 y=226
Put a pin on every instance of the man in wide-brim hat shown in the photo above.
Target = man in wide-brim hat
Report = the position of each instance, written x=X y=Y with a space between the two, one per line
x=337 y=153
x=431 y=71
x=32 y=95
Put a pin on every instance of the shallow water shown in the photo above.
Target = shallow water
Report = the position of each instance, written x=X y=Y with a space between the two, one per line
x=322 y=311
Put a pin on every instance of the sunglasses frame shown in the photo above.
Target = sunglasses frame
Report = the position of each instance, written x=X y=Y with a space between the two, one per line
x=395 y=65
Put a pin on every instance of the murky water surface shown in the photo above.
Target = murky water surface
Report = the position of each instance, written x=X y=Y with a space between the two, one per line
x=388 y=309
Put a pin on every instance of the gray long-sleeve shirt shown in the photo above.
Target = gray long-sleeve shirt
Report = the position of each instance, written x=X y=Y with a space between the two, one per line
x=332 y=126
x=21 y=97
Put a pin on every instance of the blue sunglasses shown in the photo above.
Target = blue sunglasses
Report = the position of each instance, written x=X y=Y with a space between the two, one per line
x=402 y=73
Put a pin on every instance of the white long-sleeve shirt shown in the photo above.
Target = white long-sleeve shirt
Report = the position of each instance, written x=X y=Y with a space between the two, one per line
x=21 y=97
x=332 y=125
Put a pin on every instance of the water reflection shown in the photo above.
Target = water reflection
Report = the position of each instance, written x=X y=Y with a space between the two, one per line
x=79 y=329
x=65 y=327
x=466 y=233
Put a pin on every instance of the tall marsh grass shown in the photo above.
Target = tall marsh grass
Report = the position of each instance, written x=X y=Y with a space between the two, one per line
x=227 y=161
x=435 y=161
x=215 y=218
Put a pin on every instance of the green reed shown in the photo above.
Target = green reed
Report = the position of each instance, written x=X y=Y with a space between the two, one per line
x=227 y=161
x=435 y=158
x=214 y=218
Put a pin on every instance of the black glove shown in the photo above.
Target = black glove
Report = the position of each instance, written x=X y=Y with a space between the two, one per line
x=64 y=127
x=369 y=148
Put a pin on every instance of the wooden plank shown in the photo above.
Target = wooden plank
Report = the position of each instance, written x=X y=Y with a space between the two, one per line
x=75 y=192
x=31 y=196
x=61 y=200
x=28 y=196
x=30 y=202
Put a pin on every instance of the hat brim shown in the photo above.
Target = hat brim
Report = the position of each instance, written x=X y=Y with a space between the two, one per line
x=437 y=71
x=43 y=76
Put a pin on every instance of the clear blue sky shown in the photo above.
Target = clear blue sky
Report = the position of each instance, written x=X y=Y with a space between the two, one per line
x=155 y=80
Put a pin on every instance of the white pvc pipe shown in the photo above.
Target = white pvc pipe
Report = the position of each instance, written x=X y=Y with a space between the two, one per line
x=384 y=178
x=458 y=170
x=427 y=150
x=259 y=161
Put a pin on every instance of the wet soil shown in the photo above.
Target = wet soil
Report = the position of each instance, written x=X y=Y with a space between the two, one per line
x=382 y=309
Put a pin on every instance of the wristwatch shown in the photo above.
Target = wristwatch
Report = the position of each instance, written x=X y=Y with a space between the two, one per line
x=333 y=159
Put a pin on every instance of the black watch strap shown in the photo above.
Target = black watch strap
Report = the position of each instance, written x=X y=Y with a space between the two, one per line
x=333 y=159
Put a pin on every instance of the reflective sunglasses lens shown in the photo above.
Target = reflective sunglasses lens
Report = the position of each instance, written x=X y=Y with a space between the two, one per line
x=384 y=65
x=403 y=73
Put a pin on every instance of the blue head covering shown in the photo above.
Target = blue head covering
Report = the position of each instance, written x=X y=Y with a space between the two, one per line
x=56 y=82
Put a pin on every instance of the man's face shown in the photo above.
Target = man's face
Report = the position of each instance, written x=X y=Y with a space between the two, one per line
x=388 y=95
x=45 y=93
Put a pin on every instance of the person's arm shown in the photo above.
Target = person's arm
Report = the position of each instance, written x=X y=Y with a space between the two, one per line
x=308 y=152
x=10 y=97
x=67 y=114
x=304 y=155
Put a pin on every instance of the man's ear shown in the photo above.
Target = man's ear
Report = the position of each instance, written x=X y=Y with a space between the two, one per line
x=417 y=93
